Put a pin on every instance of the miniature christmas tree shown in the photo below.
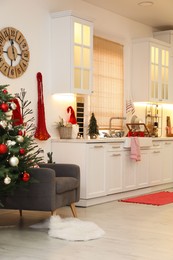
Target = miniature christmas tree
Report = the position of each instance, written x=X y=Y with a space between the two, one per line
x=18 y=151
x=93 y=127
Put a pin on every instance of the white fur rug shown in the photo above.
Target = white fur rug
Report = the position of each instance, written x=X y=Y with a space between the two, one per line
x=72 y=229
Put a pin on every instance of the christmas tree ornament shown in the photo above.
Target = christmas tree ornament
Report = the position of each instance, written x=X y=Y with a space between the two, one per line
x=17 y=116
x=13 y=161
x=25 y=177
x=7 y=180
x=12 y=105
x=3 y=148
x=5 y=91
x=3 y=123
x=4 y=107
x=22 y=151
x=10 y=143
x=19 y=139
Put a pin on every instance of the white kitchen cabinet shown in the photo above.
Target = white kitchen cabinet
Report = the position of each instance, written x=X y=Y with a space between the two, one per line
x=129 y=172
x=114 y=168
x=151 y=71
x=142 y=168
x=167 y=161
x=155 y=164
x=135 y=173
x=95 y=169
x=72 y=51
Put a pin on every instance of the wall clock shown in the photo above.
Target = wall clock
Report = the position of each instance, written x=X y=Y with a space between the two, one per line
x=14 y=52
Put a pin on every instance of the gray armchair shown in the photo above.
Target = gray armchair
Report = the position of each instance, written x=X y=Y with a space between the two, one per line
x=57 y=185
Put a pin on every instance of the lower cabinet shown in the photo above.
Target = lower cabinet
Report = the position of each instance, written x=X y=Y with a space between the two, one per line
x=167 y=161
x=114 y=168
x=155 y=164
x=135 y=173
x=95 y=170
x=107 y=169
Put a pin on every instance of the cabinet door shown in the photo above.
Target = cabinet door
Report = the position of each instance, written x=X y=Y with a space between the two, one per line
x=72 y=50
x=155 y=166
x=167 y=162
x=114 y=171
x=150 y=70
x=95 y=170
x=142 y=168
x=129 y=172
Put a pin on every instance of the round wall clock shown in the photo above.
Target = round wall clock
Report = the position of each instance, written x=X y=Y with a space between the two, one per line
x=14 y=52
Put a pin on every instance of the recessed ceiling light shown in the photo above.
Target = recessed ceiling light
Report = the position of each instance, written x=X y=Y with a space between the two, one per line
x=146 y=3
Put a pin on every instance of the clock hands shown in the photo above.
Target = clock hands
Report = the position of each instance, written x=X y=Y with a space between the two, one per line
x=13 y=51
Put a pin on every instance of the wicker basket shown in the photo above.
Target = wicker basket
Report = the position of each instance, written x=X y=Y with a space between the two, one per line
x=65 y=132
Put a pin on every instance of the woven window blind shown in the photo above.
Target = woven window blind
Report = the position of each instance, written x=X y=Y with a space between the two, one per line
x=108 y=82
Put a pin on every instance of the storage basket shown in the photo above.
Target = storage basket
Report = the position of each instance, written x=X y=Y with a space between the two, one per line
x=65 y=132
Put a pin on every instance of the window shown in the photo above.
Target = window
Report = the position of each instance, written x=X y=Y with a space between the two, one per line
x=108 y=82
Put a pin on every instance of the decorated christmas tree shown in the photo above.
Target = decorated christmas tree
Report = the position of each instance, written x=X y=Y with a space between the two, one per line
x=93 y=129
x=18 y=150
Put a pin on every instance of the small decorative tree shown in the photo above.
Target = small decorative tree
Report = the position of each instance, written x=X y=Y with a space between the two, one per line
x=93 y=129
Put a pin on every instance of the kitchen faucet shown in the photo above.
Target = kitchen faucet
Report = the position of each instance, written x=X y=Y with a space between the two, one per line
x=110 y=122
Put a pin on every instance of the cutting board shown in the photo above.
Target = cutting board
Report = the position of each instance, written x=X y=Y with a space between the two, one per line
x=168 y=127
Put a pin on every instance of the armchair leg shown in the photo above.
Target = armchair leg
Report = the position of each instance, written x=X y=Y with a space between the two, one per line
x=20 y=212
x=53 y=213
x=73 y=209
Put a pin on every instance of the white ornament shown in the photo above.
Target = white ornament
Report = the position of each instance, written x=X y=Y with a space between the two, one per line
x=19 y=139
x=3 y=123
x=7 y=180
x=14 y=161
x=10 y=143
x=13 y=105
x=9 y=114
x=10 y=127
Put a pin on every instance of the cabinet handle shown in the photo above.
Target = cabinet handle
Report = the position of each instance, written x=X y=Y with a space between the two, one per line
x=156 y=151
x=167 y=143
x=116 y=147
x=98 y=146
x=115 y=154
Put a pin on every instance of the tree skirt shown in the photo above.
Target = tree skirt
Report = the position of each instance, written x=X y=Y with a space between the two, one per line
x=157 y=199
x=72 y=229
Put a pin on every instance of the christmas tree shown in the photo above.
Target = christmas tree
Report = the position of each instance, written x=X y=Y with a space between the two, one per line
x=93 y=129
x=18 y=150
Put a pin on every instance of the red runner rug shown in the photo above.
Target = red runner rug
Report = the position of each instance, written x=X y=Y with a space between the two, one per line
x=157 y=199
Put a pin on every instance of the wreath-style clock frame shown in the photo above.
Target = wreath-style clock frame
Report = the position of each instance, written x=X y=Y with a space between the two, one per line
x=14 y=52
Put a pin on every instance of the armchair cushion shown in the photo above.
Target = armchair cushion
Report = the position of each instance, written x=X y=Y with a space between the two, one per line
x=64 y=184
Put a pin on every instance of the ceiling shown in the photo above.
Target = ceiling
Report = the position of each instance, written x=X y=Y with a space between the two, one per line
x=159 y=15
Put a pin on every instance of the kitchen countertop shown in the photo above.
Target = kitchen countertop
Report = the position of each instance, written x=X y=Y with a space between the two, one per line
x=106 y=140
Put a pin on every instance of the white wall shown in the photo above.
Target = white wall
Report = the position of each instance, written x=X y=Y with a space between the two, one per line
x=32 y=18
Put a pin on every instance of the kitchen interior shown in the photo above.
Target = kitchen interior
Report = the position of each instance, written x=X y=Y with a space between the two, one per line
x=108 y=174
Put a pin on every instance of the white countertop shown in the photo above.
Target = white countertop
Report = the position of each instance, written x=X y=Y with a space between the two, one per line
x=106 y=140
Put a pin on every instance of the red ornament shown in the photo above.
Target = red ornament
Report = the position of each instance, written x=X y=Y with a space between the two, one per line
x=22 y=151
x=3 y=148
x=5 y=91
x=25 y=177
x=20 y=132
x=4 y=107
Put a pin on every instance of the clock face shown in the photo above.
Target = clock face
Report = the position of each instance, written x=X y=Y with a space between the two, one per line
x=14 y=52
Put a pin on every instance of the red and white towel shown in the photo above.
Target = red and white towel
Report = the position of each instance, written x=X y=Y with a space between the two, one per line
x=135 y=149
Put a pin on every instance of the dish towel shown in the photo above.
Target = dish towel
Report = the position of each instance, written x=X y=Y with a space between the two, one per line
x=135 y=149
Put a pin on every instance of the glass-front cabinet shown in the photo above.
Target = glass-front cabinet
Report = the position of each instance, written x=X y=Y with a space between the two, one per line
x=72 y=52
x=151 y=69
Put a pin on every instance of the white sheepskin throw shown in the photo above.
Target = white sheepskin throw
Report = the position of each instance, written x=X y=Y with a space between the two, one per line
x=71 y=229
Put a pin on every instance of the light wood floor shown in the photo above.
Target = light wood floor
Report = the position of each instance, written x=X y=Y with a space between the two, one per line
x=132 y=232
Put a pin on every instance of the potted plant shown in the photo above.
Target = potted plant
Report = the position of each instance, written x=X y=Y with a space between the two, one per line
x=65 y=130
x=93 y=129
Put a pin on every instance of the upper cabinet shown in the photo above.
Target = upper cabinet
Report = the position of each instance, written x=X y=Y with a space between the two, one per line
x=151 y=79
x=72 y=53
